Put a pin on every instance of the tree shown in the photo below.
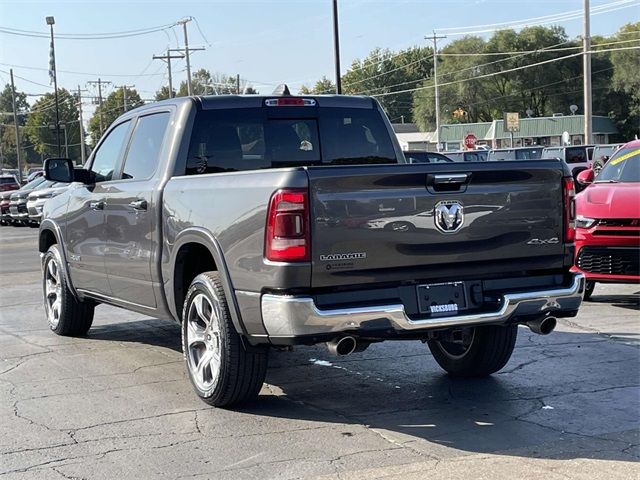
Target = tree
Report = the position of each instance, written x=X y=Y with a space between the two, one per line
x=204 y=82
x=322 y=86
x=40 y=126
x=112 y=107
x=163 y=93
x=383 y=72
x=626 y=83
x=8 y=155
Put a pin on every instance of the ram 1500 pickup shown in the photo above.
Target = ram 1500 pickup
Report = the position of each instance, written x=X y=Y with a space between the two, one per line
x=271 y=221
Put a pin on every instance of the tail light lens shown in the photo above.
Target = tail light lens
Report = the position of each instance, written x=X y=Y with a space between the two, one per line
x=569 y=193
x=287 y=237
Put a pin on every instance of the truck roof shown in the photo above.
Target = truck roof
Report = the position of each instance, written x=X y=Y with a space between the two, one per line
x=210 y=102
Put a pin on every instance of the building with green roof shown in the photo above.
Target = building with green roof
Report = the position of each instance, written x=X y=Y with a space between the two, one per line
x=545 y=131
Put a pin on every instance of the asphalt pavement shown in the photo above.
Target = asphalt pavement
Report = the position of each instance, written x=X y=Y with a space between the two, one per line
x=118 y=404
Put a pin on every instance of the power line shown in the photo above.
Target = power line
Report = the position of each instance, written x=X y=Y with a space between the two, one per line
x=572 y=15
x=87 y=36
x=503 y=71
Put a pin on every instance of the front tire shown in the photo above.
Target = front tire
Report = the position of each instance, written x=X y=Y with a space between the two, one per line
x=479 y=352
x=66 y=315
x=589 y=287
x=223 y=370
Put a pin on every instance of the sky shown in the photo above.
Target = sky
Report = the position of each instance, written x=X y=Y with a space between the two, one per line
x=265 y=41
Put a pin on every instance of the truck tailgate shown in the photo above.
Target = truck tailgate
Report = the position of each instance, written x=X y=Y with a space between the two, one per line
x=435 y=222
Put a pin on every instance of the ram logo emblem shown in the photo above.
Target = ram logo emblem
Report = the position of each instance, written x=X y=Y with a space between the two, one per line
x=449 y=216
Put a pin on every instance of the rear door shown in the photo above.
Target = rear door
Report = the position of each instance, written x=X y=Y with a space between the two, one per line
x=131 y=217
x=435 y=222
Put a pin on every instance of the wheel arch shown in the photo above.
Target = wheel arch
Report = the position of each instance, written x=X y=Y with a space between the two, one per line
x=196 y=251
x=50 y=234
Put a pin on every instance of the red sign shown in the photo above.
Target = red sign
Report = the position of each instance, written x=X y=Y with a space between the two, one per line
x=470 y=141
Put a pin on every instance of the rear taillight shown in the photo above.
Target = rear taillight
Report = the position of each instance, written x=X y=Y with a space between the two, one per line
x=568 y=196
x=287 y=236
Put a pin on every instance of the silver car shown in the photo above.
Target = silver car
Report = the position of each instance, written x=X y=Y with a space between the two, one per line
x=37 y=199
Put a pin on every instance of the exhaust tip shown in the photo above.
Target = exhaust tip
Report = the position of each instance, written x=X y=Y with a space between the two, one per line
x=342 y=346
x=543 y=326
x=548 y=325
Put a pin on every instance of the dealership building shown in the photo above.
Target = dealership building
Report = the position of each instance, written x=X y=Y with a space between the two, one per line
x=546 y=131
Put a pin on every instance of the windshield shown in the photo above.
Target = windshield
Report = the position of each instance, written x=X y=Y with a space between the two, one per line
x=271 y=137
x=33 y=183
x=603 y=151
x=624 y=166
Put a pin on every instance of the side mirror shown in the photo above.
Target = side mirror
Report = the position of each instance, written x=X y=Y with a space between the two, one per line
x=58 y=170
x=585 y=177
x=62 y=170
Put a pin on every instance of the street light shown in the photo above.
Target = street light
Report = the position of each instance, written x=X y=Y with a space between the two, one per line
x=52 y=74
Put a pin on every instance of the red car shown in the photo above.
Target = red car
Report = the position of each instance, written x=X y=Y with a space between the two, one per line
x=608 y=221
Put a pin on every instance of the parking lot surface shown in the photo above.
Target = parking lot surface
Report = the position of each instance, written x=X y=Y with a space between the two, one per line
x=118 y=403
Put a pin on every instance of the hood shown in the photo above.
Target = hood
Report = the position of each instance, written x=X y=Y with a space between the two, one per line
x=47 y=192
x=609 y=200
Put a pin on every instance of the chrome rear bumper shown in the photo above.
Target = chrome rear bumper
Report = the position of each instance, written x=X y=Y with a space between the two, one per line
x=290 y=316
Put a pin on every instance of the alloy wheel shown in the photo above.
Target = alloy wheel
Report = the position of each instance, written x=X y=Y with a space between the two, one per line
x=52 y=292
x=203 y=342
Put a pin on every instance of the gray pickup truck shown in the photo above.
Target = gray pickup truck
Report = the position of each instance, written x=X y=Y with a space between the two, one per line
x=272 y=221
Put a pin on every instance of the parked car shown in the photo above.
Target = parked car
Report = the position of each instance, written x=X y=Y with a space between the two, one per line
x=34 y=173
x=602 y=153
x=38 y=197
x=232 y=215
x=8 y=183
x=18 y=200
x=415 y=156
x=522 y=153
x=577 y=157
x=5 y=215
x=468 y=156
x=608 y=221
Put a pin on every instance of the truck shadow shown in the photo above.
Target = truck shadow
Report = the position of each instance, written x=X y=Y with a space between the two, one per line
x=563 y=396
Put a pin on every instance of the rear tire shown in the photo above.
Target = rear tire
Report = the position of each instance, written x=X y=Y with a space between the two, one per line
x=589 y=287
x=488 y=350
x=66 y=315
x=223 y=369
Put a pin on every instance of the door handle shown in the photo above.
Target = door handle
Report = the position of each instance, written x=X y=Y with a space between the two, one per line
x=97 y=205
x=139 y=205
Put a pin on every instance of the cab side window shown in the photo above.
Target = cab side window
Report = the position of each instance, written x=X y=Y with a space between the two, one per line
x=105 y=160
x=144 y=150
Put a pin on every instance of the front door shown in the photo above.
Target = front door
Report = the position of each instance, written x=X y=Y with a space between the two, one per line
x=86 y=238
x=132 y=217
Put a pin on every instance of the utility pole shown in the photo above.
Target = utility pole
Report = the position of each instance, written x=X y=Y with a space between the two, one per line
x=167 y=58
x=435 y=39
x=15 y=122
x=183 y=22
x=336 y=47
x=586 y=66
x=125 y=106
x=238 y=83
x=83 y=152
x=99 y=83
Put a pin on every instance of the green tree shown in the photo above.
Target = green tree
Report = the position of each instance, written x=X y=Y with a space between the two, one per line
x=112 y=107
x=383 y=72
x=7 y=130
x=163 y=93
x=626 y=83
x=40 y=126
x=322 y=86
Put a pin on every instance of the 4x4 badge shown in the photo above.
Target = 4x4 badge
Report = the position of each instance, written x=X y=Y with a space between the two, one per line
x=449 y=216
